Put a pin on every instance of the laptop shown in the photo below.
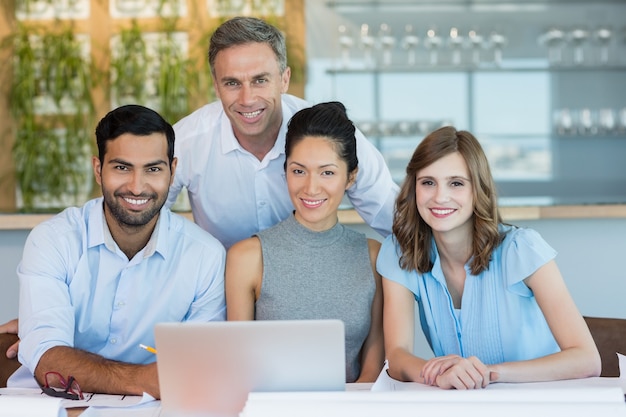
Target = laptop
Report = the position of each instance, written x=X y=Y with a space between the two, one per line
x=208 y=369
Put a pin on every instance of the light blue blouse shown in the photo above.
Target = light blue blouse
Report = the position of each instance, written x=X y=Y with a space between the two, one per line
x=78 y=289
x=499 y=320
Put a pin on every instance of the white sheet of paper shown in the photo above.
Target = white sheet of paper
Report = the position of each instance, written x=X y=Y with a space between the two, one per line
x=384 y=382
x=151 y=409
x=91 y=400
x=26 y=406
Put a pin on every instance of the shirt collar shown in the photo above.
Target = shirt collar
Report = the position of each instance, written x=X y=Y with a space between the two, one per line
x=229 y=141
x=100 y=234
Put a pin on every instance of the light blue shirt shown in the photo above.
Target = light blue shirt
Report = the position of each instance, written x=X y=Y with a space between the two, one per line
x=499 y=319
x=78 y=289
x=234 y=195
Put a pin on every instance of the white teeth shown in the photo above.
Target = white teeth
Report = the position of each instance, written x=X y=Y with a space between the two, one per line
x=251 y=114
x=312 y=203
x=442 y=212
x=136 y=202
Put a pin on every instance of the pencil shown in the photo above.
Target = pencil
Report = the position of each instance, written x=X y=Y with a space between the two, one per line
x=148 y=348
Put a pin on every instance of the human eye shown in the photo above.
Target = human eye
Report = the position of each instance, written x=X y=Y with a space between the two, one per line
x=328 y=173
x=231 y=83
x=154 y=169
x=297 y=171
x=121 y=168
x=427 y=182
x=457 y=183
x=261 y=80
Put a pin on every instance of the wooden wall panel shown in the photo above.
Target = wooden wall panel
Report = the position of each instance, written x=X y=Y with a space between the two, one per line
x=101 y=27
x=7 y=179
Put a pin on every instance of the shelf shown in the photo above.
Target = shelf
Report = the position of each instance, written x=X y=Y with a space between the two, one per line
x=398 y=69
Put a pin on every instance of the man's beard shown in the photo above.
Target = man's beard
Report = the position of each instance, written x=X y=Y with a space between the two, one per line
x=127 y=218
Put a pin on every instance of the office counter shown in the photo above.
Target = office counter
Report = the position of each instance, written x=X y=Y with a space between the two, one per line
x=510 y=213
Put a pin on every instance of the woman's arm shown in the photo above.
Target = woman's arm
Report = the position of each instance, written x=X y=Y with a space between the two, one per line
x=373 y=351
x=399 y=330
x=399 y=325
x=578 y=358
x=242 y=280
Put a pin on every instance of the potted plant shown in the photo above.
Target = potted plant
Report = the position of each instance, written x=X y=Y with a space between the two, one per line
x=54 y=114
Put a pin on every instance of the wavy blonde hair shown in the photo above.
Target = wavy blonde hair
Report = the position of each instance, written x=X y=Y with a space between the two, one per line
x=412 y=233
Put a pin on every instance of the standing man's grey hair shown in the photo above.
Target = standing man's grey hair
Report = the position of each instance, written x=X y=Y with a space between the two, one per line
x=243 y=30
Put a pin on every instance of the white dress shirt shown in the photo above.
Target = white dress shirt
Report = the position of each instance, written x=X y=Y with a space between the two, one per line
x=234 y=195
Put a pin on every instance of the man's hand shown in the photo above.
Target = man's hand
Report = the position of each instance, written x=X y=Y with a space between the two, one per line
x=95 y=373
x=10 y=327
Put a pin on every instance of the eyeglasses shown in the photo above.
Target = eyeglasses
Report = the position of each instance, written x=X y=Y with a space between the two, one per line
x=56 y=386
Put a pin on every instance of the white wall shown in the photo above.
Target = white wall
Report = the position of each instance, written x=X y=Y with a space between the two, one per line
x=11 y=244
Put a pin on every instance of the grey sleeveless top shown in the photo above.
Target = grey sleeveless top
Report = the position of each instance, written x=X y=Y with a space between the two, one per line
x=318 y=275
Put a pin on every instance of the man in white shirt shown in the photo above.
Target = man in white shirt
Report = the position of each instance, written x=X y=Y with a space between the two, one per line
x=231 y=152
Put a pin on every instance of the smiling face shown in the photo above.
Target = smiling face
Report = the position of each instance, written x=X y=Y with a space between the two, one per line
x=135 y=177
x=444 y=195
x=317 y=179
x=249 y=83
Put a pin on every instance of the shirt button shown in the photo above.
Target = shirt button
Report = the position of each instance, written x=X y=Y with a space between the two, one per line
x=113 y=340
x=262 y=203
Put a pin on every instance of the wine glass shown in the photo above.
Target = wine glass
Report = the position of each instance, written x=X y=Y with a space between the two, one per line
x=577 y=38
x=432 y=42
x=367 y=41
x=476 y=43
x=497 y=40
x=606 y=120
x=553 y=39
x=455 y=41
x=387 y=42
x=586 y=122
x=603 y=36
x=564 y=121
x=345 y=44
x=409 y=41
x=405 y=128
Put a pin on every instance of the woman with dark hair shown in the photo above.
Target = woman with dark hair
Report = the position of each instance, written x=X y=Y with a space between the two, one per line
x=492 y=302
x=310 y=266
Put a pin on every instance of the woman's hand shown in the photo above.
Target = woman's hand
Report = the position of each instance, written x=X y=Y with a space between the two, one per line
x=453 y=371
